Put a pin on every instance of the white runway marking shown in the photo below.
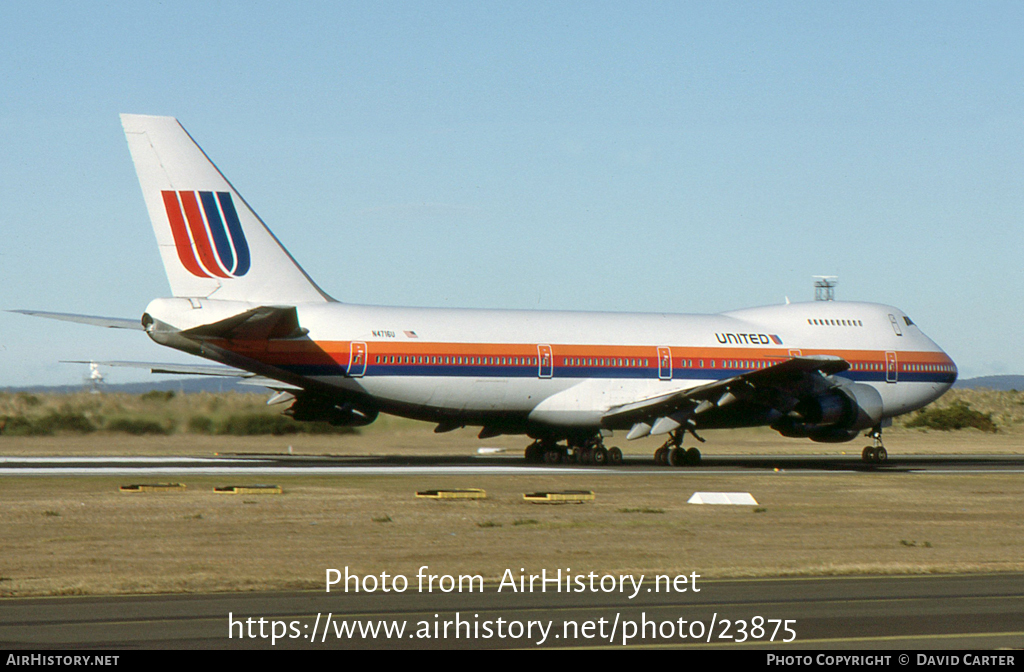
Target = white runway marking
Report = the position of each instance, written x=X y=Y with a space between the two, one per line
x=399 y=470
x=276 y=466
x=130 y=459
x=287 y=471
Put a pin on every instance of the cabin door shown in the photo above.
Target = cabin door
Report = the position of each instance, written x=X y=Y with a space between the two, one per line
x=357 y=359
x=664 y=363
x=891 y=367
x=545 y=362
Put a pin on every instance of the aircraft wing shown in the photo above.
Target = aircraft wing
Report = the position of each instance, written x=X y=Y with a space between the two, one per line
x=94 y=320
x=664 y=413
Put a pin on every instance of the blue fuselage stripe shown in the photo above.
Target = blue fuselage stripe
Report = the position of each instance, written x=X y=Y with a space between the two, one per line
x=624 y=373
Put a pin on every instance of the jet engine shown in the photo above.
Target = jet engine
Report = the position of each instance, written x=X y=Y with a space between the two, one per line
x=835 y=416
x=309 y=408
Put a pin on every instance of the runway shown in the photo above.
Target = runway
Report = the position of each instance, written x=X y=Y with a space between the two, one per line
x=893 y=613
x=298 y=465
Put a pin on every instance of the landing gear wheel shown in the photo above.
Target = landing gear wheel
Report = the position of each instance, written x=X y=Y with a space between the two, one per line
x=552 y=456
x=677 y=457
x=876 y=453
x=534 y=453
x=661 y=456
x=600 y=456
x=615 y=456
x=692 y=458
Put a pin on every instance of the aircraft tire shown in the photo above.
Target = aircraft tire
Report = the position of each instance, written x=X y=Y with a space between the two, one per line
x=881 y=455
x=614 y=456
x=661 y=456
x=692 y=457
x=868 y=454
x=552 y=456
x=600 y=456
x=676 y=457
x=534 y=454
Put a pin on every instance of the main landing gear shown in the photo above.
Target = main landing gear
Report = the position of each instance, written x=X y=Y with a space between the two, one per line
x=875 y=453
x=592 y=451
x=673 y=454
x=589 y=452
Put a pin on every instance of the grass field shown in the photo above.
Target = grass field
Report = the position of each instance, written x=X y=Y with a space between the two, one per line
x=203 y=424
x=80 y=535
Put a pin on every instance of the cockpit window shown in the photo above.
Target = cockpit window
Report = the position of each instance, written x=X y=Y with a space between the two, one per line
x=907 y=320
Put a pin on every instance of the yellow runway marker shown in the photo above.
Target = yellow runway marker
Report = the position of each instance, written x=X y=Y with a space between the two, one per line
x=152 y=487
x=562 y=497
x=249 y=490
x=467 y=493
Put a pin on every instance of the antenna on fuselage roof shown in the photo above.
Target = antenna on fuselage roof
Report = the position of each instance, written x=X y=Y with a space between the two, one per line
x=825 y=287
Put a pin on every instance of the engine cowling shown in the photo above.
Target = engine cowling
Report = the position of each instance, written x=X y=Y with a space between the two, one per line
x=317 y=409
x=836 y=416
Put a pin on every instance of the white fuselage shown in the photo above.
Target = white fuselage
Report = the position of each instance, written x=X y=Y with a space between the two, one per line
x=568 y=369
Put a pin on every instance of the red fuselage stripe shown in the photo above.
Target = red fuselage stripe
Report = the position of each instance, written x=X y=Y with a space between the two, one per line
x=338 y=353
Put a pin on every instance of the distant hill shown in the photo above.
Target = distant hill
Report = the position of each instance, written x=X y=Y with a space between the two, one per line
x=992 y=383
x=181 y=385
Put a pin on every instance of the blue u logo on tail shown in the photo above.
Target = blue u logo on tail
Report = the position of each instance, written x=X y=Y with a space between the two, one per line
x=207 y=233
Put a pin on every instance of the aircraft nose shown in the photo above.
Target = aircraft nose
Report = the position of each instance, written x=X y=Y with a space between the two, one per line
x=947 y=376
x=950 y=369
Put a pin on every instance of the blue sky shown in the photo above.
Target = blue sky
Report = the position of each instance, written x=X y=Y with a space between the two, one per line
x=679 y=157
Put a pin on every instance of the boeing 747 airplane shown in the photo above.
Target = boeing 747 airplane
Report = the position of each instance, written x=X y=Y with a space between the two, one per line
x=825 y=371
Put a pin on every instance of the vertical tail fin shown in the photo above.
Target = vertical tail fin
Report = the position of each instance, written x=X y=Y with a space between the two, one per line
x=212 y=244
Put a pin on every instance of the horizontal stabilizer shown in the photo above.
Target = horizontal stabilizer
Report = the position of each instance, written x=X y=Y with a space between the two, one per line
x=263 y=381
x=245 y=377
x=180 y=369
x=258 y=324
x=94 y=320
